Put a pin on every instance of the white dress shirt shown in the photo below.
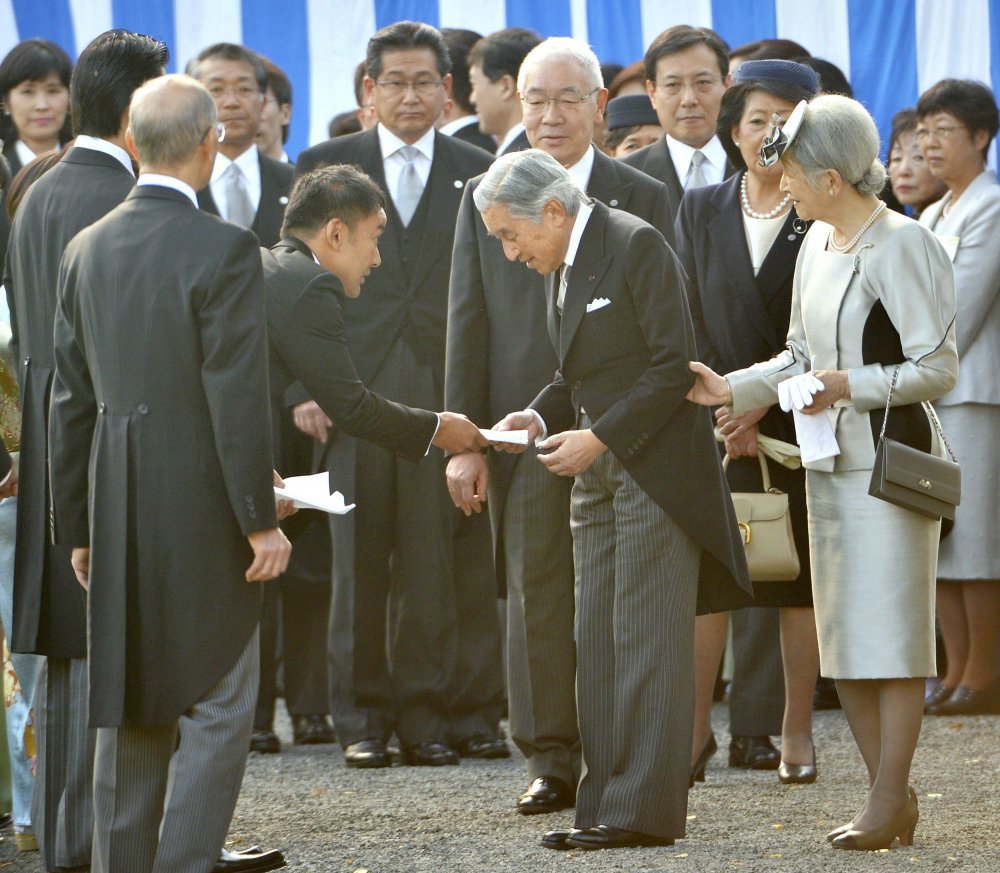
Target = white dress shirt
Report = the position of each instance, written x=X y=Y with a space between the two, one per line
x=393 y=161
x=714 y=168
x=109 y=148
x=249 y=165
x=169 y=182
x=581 y=170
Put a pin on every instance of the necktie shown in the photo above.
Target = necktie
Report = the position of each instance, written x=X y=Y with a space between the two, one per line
x=696 y=176
x=239 y=209
x=410 y=187
x=563 y=282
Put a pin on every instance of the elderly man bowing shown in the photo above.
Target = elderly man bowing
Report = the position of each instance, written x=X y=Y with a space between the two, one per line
x=654 y=534
x=161 y=381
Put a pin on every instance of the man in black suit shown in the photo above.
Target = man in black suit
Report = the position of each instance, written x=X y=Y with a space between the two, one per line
x=494 y=62
x=458 y=118
x=687 y=72
x=247 y=187
x=403 y=547
x=499 y=357
x=654 y=532
x=49 y=605
x=147 y=384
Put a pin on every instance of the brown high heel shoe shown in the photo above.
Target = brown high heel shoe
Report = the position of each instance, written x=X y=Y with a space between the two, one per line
x=798 y=774
x=902 y=825
x=843 y=829
x=698 y=768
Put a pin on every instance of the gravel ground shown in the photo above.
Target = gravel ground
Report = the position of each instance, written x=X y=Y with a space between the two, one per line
x=328 y=819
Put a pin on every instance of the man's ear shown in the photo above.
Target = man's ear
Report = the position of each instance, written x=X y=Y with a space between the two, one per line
x=130 y=144
x=335 y=233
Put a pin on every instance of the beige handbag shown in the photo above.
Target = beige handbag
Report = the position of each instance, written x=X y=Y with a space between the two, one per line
x=766 y=527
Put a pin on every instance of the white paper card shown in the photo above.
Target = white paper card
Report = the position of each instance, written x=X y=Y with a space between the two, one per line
x=815 y=436
x=313 y=492
x=516 y=437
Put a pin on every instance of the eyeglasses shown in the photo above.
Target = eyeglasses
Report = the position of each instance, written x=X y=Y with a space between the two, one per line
x=703 y=84
x=422 y=87
x=941 y=132
x=240 y=92
x=536 y=103
x=220 y=131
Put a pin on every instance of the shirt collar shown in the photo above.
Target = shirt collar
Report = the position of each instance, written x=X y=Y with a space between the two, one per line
x=510 y=136
x=169 y=182
x=248 y=162
x=96 y=144
x=390 y=143
x=579 y=226
x=681 y=153
x=580 y=171
x=452 y=127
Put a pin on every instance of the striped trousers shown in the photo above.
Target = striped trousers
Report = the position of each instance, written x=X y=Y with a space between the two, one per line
x=636 y=588
x=164 y=796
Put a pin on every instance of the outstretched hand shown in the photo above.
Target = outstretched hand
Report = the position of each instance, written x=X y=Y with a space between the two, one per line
x=523 y=420
x=709 y=389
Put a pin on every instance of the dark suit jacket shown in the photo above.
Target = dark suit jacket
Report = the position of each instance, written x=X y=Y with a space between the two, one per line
x=305 y=324
x=396 y=307
x=13 y=158
x=473 y=135
x=49 y=604
x=275 y=185
x=499 y=352
x=518 y=144
x=160 y=423
x=627 y=365
x=654 y=160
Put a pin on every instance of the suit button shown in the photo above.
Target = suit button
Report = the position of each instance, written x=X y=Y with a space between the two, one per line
x=143 y=409
x=101 y=408
x=613 y=203
x=27 y=361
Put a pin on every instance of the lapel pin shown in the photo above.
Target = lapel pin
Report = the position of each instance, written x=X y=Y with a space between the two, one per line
x=283 y=200
x=613 y=203
x=458 y=183
x=791 y=237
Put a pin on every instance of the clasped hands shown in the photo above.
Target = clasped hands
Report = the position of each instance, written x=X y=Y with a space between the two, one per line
x=810 y=393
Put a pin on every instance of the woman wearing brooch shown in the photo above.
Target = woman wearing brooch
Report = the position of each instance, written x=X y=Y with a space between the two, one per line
x=738 y=242
x=873 y=297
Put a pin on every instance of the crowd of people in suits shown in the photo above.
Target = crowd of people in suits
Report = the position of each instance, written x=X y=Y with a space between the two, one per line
x=492 y=238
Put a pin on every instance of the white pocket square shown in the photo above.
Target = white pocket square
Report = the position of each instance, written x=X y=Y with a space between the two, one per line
x=598 y=303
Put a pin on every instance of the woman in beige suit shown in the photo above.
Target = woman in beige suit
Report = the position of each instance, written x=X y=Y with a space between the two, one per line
x=957 y=120
x=873 y=290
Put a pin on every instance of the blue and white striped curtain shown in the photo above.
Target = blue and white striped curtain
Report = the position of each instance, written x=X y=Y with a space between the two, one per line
x=891 y=50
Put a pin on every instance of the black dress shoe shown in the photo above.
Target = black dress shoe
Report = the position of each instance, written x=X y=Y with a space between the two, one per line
x=367 y=754
x=698 y=768
x=6 y=820
x=608 y=837
x=546 y=794
x=965 y=701
x=753 y=753
x=428 y=755
x=557 y=839
x=482 y=746
x=309 y=730
x=265 y=741
x=249 y=861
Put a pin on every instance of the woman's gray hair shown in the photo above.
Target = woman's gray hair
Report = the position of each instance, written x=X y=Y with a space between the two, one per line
x=524 y=182
x=837 y=133
x=169 y=117
x=563 y=47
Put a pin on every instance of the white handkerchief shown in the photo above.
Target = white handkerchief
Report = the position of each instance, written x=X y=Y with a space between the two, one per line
x=313 y=492
x=598 y=303
x=815 y=436
x=517 y=437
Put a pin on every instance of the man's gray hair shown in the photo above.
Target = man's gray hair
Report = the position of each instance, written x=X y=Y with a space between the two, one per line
x=169 y=118
x=563 y=48
x=524 y=182
x=837 y=133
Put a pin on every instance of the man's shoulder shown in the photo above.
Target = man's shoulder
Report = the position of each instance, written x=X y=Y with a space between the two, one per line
x=333 y=151
x=639 y=159
x=629 y=173
x=280 y=171
x=464 y=153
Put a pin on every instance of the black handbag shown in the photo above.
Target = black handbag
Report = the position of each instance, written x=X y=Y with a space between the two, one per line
x=911 y=478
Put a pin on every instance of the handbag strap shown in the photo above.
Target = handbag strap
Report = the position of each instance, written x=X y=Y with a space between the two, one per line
x=927 y=408
x=765 y=474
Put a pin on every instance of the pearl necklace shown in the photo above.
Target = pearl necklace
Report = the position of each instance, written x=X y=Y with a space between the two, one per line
x=752 y=212
x=853 y=241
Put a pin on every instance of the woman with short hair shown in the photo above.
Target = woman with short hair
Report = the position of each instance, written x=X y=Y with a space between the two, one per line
x=913 y=183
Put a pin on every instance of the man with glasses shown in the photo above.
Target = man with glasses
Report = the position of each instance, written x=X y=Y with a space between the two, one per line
x=404 y=555
x=687 y=72
x=499 y=357
x=247 y=187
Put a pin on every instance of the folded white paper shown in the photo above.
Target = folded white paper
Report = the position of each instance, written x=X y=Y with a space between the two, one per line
x=517 y=437
x=313 y=492
x=815 y=436
x=598 y=303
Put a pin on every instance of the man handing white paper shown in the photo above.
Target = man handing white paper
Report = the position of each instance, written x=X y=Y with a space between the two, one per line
x=313 y=492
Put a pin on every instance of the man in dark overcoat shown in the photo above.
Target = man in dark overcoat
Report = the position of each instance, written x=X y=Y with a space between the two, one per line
x=49 y=606
x=162 y=485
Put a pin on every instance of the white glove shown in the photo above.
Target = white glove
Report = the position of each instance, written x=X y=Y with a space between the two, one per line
x=798 y=391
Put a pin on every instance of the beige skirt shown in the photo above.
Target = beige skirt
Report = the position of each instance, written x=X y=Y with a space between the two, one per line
x=873 y=572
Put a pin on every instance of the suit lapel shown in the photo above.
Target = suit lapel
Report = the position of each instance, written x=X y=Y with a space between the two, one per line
x=584 y=278
x=779 y=264
x=270 y=205
x=368 y=156
x=660 y=165
x=605 y=184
